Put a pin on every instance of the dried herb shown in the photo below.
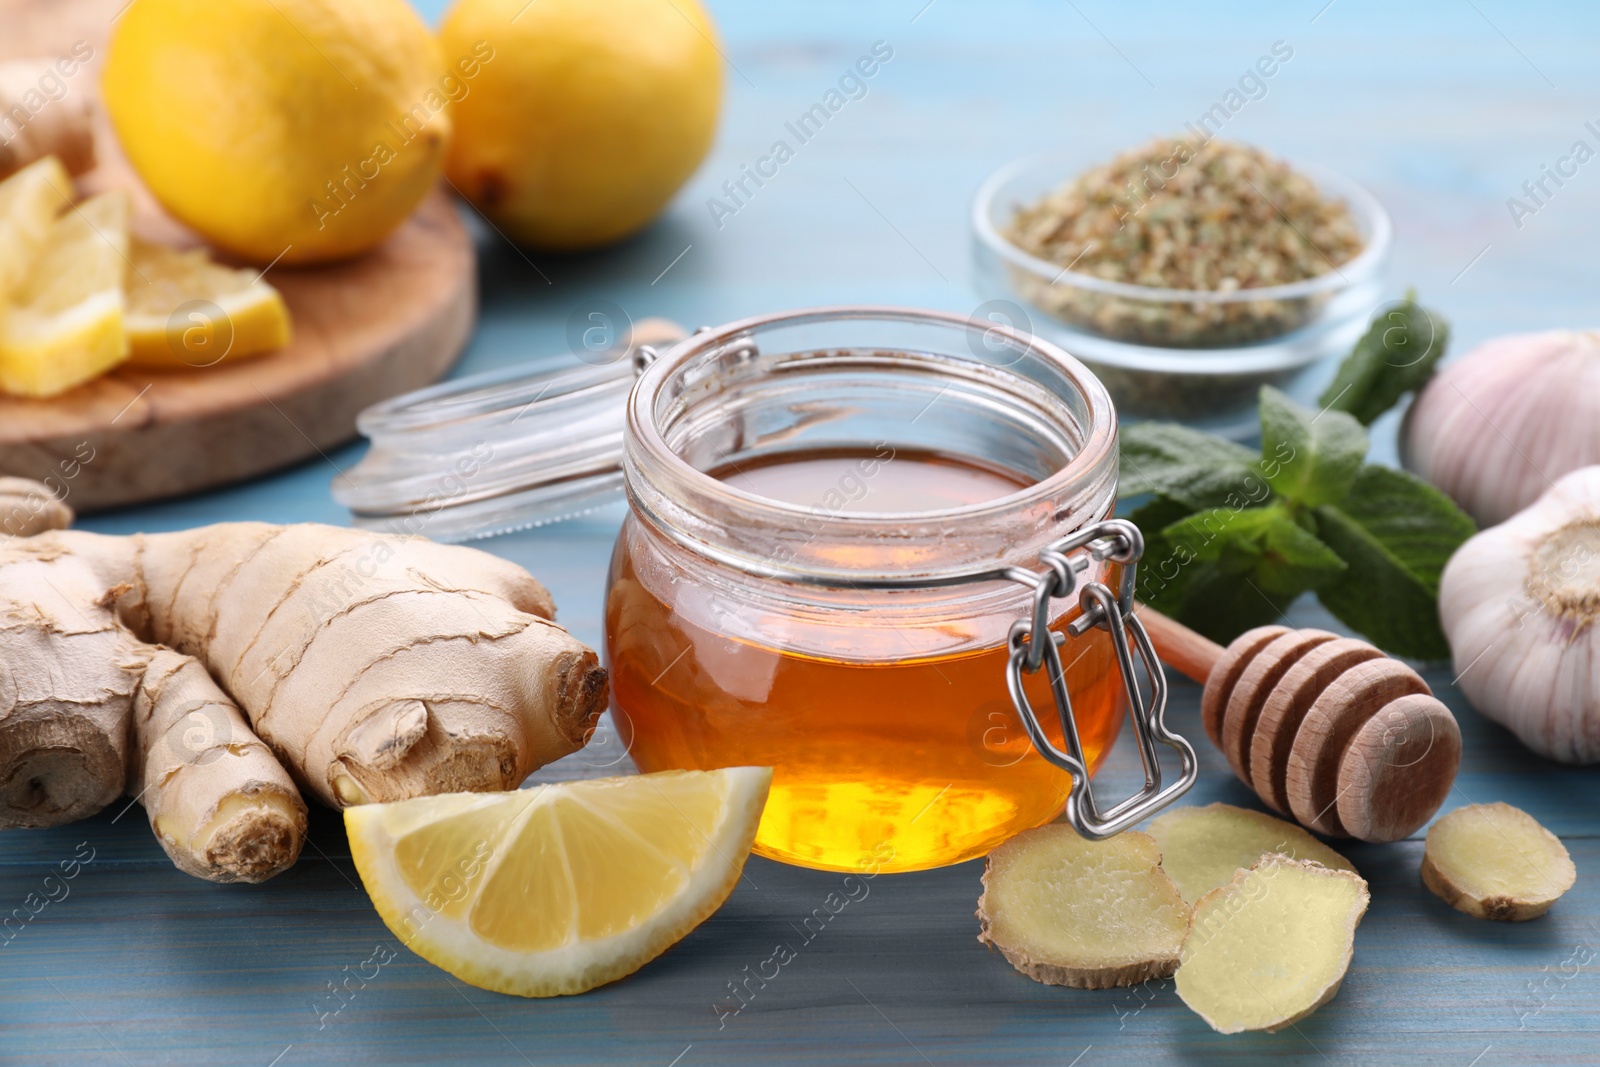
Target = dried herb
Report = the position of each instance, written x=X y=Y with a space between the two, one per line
x=1192 y=215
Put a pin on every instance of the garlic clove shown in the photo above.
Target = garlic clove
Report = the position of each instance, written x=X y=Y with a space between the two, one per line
x=1519 y=603
x=1494 y=428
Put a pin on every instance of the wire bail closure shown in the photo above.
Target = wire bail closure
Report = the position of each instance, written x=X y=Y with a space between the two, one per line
x=1118 y=541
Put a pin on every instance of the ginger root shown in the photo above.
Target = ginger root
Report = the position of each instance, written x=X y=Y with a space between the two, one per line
x=1202 y=847
x=220 y=803
x=1089 y=914
x=27 y=508
x=1494 y=861
x=201 y=666
x=65 y=693
x=43 y=114
x=1271 y=946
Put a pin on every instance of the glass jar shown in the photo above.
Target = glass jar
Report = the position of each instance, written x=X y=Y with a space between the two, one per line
x=833 y=514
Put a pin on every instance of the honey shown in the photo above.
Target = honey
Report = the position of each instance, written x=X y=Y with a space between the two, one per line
x=888 y=722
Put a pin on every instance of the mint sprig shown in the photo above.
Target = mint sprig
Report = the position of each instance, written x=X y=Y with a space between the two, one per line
x=1394 y=532
x=1232 y=537
x=1396 y=356
x=1183 y=464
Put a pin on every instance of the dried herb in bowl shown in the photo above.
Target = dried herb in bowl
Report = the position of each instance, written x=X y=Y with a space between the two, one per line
x=1180 y=213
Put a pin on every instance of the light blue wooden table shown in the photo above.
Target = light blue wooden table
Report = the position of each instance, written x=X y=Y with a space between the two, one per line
x=1443 y=109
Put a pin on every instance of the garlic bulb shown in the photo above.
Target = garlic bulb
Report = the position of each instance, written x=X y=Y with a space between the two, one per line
x=1519 y=603
x=1496 y=427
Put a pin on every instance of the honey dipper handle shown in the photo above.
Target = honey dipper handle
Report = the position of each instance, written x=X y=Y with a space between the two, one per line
x=1178 y=646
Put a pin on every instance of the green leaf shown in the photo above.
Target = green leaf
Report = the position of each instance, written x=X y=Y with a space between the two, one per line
x=1188 y=466
x=1264 y=545
x=1215 y=603
x=1310 y=457
x=1224 y=570
x=1163 y=575
x=1395 y=532
x=1395 y=356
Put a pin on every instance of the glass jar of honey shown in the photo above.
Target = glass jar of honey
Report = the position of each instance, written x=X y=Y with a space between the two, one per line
x=846 y=528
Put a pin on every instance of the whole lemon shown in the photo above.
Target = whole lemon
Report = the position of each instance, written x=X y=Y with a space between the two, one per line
x=306 y=128
x=583 y=117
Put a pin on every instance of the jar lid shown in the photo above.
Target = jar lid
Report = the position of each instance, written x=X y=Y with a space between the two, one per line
x=501 y=451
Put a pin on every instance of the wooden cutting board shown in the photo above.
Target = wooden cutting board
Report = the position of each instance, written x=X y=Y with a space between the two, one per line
x=390 y=321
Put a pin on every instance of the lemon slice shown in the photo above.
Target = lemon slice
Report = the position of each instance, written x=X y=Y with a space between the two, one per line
x=559 y=888
x=185 y=311
x=63 y=322
x=30 y=200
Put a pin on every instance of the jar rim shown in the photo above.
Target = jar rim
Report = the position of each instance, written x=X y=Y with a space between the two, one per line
x=1096 y=453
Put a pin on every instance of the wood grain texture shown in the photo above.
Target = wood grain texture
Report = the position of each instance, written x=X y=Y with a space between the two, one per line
x=391 y=320
x=1224 y=675
x=1331 y=723
x=1260 y=676
x=1285 y=709
x=1424 y=103
x=1398 y=769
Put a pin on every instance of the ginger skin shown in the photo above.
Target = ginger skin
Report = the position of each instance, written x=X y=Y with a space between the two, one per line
x=218 y=800
x=33 y=125
x=204 y=668
x=27 y=508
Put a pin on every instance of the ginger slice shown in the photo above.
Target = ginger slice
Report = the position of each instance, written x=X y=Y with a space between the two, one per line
x=1494 y=861
x=1087 y=914
x=1201 y=847
x=1271 y=946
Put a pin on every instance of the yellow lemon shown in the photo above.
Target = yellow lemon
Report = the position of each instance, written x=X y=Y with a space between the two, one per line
x=581 y=117
x=184 y=311
x=63 y=325
x=30 y=201
x=307 y=129
x=560 y=888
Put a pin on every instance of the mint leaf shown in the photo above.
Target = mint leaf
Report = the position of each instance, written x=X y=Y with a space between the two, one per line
x=1224 y=570
x=1417 y=523
x=1163 y=575
x=1202 y=594
x=1264 y=545
x=1188 y=466
x=1395 y=356
x=1395 y=532
x=1310 y=457
x=1216 y=603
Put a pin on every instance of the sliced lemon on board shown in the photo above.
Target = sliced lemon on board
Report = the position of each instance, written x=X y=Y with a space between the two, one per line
x=185 y=311
x=63 y=324
x=561 y=888
x=30 y=200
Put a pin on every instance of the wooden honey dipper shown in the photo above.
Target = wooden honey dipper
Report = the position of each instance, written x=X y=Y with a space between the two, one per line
x=1327 y=729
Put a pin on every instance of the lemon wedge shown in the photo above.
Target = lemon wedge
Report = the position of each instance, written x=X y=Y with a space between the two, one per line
x=185 y=311
x=30 y=200
x=559 y=888
x=63 y=322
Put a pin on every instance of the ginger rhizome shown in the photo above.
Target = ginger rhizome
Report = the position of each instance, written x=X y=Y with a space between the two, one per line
x=212 y=670
x=1202 y=847
x=1086 y=914
x=1272 y=946
x=28 y=507
x=43 y=114
x=1494 y=861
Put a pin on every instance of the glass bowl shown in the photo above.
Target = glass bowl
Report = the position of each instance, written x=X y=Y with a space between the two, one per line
x=1196 y=356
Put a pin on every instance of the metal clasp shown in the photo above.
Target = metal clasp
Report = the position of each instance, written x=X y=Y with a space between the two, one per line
x=1118 y=541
